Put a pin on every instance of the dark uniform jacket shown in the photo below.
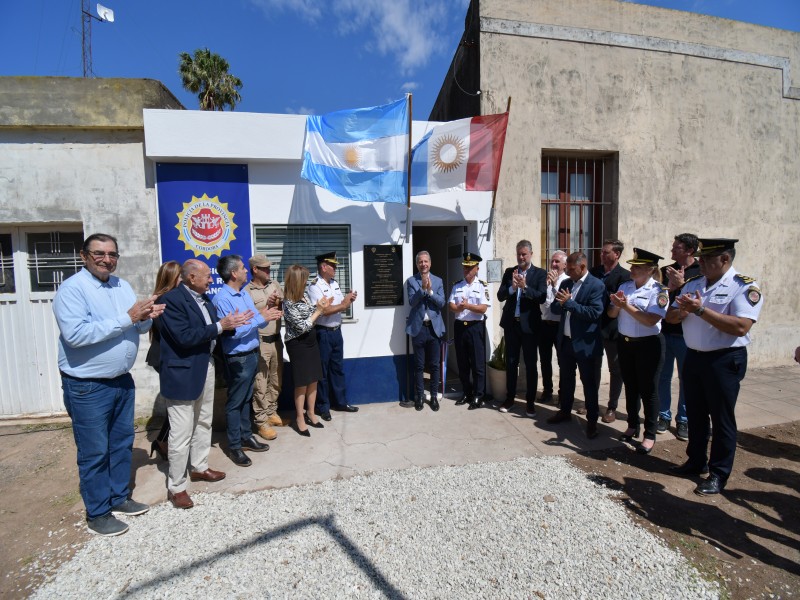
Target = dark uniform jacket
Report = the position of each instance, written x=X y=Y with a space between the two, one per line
x=534 y=294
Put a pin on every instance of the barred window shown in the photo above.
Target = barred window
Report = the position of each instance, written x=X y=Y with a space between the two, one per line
x=7 y=284
x=52 y=258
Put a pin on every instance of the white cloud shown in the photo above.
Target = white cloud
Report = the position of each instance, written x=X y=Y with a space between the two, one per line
x=407 y=30
x=409 y=86
x=303 y=110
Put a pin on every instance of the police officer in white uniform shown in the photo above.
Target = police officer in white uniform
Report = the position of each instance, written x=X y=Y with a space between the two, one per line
x=717 y=310
x=469 y=300
x=639 y=305
x=331 y=392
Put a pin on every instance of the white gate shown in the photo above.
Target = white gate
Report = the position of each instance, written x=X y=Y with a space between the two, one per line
x=33 y=262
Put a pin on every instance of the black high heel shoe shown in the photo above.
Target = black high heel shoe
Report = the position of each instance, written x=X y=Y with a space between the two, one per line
x=303 y=432
x=642 y=450
x=157 y=447
x=316 y=425
x=626 y=437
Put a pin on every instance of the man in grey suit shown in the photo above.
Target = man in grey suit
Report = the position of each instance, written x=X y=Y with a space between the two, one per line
x=425 y=326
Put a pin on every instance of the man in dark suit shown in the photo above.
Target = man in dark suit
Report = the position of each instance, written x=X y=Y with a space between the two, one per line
x=581 y=300
x=522 y=289
x=189 y=328
x=612 y=274
x=425 y=326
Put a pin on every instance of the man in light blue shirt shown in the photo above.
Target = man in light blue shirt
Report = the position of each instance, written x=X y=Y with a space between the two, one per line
x=100 y=322
x=241 y=356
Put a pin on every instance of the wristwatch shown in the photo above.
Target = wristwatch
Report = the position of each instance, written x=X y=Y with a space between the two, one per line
x=699 y=312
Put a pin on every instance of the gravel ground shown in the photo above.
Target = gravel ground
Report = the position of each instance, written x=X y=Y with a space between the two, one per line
x=534 y=527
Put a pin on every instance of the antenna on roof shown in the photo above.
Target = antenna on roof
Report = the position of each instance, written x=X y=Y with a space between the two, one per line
x=104 y=15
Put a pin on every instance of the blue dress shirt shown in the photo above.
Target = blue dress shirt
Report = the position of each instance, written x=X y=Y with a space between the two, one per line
x=98 y=338
x=245 y=338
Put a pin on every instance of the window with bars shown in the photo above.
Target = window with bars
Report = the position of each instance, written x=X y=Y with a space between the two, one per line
x=7 y=284
x=576 y=204
x=52 y=258
x=286 y=245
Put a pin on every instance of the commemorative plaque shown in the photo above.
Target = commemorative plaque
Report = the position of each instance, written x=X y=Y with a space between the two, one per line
x=383 y=275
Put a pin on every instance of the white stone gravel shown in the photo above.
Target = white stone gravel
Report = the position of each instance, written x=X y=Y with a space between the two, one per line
x=529 y=528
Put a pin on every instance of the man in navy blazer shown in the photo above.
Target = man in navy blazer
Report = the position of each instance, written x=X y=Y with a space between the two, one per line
x=523 y=288
x=425 y=326
x=189 y=330
x=581 y=300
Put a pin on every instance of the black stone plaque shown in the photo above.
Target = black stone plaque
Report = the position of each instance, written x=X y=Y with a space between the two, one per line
x=383 y=275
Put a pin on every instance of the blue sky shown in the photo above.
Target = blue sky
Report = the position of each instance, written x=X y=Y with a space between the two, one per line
x=294 y=56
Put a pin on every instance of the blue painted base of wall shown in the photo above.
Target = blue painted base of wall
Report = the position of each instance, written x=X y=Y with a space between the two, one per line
x=374 y=379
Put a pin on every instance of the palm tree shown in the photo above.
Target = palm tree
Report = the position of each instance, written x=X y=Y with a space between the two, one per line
x=206 y=74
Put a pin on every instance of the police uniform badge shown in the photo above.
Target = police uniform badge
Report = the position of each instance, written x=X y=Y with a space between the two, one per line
x=663 y=298
x=753 y=295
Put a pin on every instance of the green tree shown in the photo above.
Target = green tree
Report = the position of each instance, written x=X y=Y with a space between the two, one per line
x=206 y=74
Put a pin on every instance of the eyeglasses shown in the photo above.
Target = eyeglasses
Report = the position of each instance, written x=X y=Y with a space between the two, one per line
x=98 y=255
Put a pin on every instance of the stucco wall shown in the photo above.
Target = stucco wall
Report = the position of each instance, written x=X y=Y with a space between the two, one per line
x=705 y=145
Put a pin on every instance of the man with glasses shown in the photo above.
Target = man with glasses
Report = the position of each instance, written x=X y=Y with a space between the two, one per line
x=100 y=322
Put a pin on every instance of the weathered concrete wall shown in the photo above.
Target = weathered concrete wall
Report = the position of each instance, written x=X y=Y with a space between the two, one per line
x=707 y=145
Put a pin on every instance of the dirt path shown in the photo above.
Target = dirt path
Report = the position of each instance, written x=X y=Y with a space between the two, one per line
x=748 y=539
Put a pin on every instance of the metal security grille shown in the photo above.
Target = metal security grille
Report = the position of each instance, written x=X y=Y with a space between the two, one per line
x=52 y=257
x=576 y=206
x=286 y=245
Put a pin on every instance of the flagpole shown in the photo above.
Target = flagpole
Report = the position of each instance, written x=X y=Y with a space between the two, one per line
x=408 y=175
x=494 y=192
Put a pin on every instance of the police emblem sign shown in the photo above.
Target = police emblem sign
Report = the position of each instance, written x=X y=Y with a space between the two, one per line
x=203 y=212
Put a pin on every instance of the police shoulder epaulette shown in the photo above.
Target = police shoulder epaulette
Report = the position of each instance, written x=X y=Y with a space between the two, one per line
x=312 y=281
x=744 y=278
x=688 y=280
x=483 y=282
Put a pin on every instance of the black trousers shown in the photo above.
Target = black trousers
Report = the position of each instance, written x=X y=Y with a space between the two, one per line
x=615 y=383
x=711 y=382
x=640 y=361
x=548 y=336
x=470 y=340
x=516 y=339
x=568 y=363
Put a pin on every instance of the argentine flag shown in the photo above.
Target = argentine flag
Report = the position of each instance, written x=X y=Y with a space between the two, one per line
x=360 y=154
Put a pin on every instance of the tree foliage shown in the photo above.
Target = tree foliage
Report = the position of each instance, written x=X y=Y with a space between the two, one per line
x=206 y=74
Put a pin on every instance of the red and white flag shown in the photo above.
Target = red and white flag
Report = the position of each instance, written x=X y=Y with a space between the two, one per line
x=459 y=155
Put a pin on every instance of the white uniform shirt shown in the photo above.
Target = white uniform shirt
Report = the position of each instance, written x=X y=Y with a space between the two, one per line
x=317 y=288
x=547 y=314
x=475 y=293
x=731 y=295
x=651 y=298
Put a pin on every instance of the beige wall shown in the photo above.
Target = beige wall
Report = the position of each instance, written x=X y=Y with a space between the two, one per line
x=706 y=145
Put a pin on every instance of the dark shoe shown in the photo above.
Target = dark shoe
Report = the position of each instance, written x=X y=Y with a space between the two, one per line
x=713 y=485
x=610 y=416
x=434 y=404
x=682 y=432
x=160 y=448
x=316 y=425
x=239 y=457
x=580 y=411
x=303 y=432
x=559 y=417
x=209 y=475
x=418 y=404
x=107 y=525
x=180 y=500
x=254 y=445
x=629 y=435
x=530 y=409
x=688 y=468
x=663 y=426
x=406 y=403
x=546 y=397
x=591 y=430
x=326 y=416
x=506 y=406
x=642 y=450
x=345 y=408
x=130 y=507
x=462 y=400
x=476 y=403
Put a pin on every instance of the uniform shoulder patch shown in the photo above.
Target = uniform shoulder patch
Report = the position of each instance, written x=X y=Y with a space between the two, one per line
x=753 y=295
x=663 y=298
x=311 y=281
x=744 y=278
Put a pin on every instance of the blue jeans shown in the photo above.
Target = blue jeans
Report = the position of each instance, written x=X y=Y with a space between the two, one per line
x=675 y=349
x=241 y=376
x=102 y=423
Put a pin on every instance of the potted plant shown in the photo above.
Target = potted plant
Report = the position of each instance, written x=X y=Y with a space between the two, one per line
x=496 y=371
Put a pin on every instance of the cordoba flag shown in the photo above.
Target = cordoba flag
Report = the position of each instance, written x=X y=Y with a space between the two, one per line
x=459 y=155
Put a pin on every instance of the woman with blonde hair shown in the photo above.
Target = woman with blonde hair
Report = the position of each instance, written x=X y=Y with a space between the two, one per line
x=301 y=344
x=167 y=278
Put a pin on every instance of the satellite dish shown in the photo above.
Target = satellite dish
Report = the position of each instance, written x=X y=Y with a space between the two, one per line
x=105 y=14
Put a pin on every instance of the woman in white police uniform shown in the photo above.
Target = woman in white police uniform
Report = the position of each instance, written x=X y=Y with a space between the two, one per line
x=639 y=305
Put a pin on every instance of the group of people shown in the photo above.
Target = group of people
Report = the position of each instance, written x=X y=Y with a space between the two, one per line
x=697 y=312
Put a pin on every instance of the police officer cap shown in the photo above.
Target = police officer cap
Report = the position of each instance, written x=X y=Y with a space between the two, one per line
x=259 y=260
x=471 y=259
x=328 y=257
x=643 y=257
x=714 y=246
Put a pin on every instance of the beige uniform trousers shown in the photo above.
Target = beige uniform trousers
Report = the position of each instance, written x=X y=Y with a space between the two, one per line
x=268 y=381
